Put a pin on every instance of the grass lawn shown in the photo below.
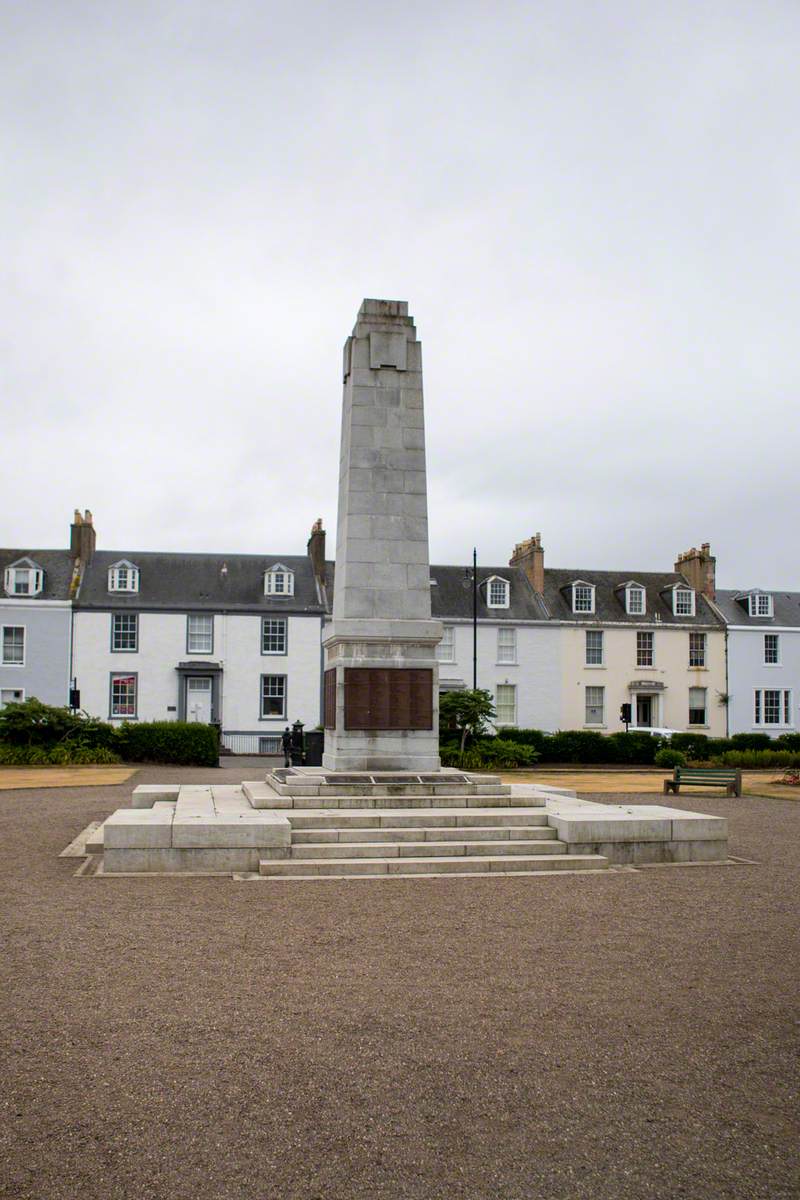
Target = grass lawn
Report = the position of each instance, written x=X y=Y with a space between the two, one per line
x=58 y=777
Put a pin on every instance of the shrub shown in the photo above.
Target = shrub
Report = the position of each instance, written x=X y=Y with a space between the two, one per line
x=632 y=747
x=755 y=759
x=526 y=737
x=498 y=753
x=787 y=741
x=751 y=741
x=667 y=756
x=694 y=745
x=183 y=743
x=576 y=746
x=62 y=754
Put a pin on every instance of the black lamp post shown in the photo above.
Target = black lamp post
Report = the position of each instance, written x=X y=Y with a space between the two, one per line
x=472 y=576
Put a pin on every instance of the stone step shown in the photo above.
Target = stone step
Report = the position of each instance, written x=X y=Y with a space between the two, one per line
x=336 y=801
x=462 y=818
x=378 y=850
x=463 y=864
x=475 y=833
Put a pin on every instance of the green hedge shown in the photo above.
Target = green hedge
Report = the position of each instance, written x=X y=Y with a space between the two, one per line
x=183 y=743
x=36 y=733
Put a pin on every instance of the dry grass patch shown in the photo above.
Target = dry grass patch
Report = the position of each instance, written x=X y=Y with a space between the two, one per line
x=648 y=781
x=56 y=777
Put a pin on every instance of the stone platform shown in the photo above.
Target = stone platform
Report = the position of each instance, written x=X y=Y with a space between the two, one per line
x=383 y=824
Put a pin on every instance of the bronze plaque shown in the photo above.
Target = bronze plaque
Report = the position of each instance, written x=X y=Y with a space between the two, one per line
x=382 y=698
x=330 y=699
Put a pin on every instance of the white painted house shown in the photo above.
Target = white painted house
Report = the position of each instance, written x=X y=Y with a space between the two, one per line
x=231 y=639
x=35 y=626
x=763 y=634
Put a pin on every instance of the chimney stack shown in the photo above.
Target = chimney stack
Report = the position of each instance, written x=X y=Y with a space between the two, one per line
x=82 y=537
x=530 y=556
x=316 y=550
x=699 y=569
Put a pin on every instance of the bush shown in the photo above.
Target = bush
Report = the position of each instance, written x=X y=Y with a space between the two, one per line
x=633 y=747
x=183 y=743
x=62 y=754
x=694 y=745
x=667 y=756
x=755 y=759
x=576 y=746
x=498 y=753
x=525 y=737
x=787 y=741
x=751 y=741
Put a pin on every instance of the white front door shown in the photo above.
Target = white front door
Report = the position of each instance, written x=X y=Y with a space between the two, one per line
x=198 y=699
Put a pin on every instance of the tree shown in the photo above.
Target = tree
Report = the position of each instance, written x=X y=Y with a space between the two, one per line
x=468 y=712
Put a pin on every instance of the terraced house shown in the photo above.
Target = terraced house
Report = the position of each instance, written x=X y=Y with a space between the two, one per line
x=236 y=639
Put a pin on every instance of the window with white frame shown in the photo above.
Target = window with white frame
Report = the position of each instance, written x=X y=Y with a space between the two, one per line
x=497 y=592
x=594 y=647
x=582 y=597
x=446 y=650
x=13 y=654
x=506 y=645
x=199 y=634
x=760 y=604
x=273 y=696
x=683 y=602
x=11 y=696
x=23 y=579
x=772 y=650
x=697 y=706
x=635 y=600
x=123 y=577
x=644 y=649
x=505 y=700
x=124 y=632
x=279 y=581
x=773 y=706
x=697 y=649
x=273 y=635
x=595 y=706
x=123 y=696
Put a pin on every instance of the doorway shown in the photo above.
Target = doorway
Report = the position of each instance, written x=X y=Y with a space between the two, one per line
x=644 y=710
x=198 y=699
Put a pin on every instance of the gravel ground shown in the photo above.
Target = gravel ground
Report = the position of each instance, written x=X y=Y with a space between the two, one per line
x=621 y=1035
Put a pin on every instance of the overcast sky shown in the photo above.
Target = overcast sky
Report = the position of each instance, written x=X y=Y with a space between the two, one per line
x=592 y=209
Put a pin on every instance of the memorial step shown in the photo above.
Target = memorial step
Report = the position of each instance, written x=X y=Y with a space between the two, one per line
x=473 y=833
x=423 y=849
x=462 y=818
x=458 y=865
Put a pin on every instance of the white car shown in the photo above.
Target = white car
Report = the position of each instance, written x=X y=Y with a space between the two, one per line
x=654 y=732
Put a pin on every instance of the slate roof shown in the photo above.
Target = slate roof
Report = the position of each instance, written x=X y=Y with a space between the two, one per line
x=195 y=582
x=57 y=567
x=785 y=608
x=450 y=598
x=610 y=598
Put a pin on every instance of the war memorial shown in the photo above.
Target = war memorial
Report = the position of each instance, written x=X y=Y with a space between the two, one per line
x=381 y=805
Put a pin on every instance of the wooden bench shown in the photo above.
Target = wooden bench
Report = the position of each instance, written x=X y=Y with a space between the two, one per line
x=728 y=777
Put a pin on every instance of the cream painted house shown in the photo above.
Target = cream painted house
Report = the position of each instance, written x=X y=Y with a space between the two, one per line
x=650 y=640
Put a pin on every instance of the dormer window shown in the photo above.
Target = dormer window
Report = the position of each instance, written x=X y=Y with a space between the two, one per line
x=635 y=603
x=497 y=592
x=760 y=604
x=24 y=578
x=123 y=577
x=279 y=581
x=683 y=602
x=582 y=597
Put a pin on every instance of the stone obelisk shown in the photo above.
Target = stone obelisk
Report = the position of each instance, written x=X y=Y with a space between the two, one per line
x=381 y=673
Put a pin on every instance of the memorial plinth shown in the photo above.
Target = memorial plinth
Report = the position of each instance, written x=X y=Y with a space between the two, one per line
x=381 y=673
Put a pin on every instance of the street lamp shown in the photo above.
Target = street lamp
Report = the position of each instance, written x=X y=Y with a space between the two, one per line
x=471 y=577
